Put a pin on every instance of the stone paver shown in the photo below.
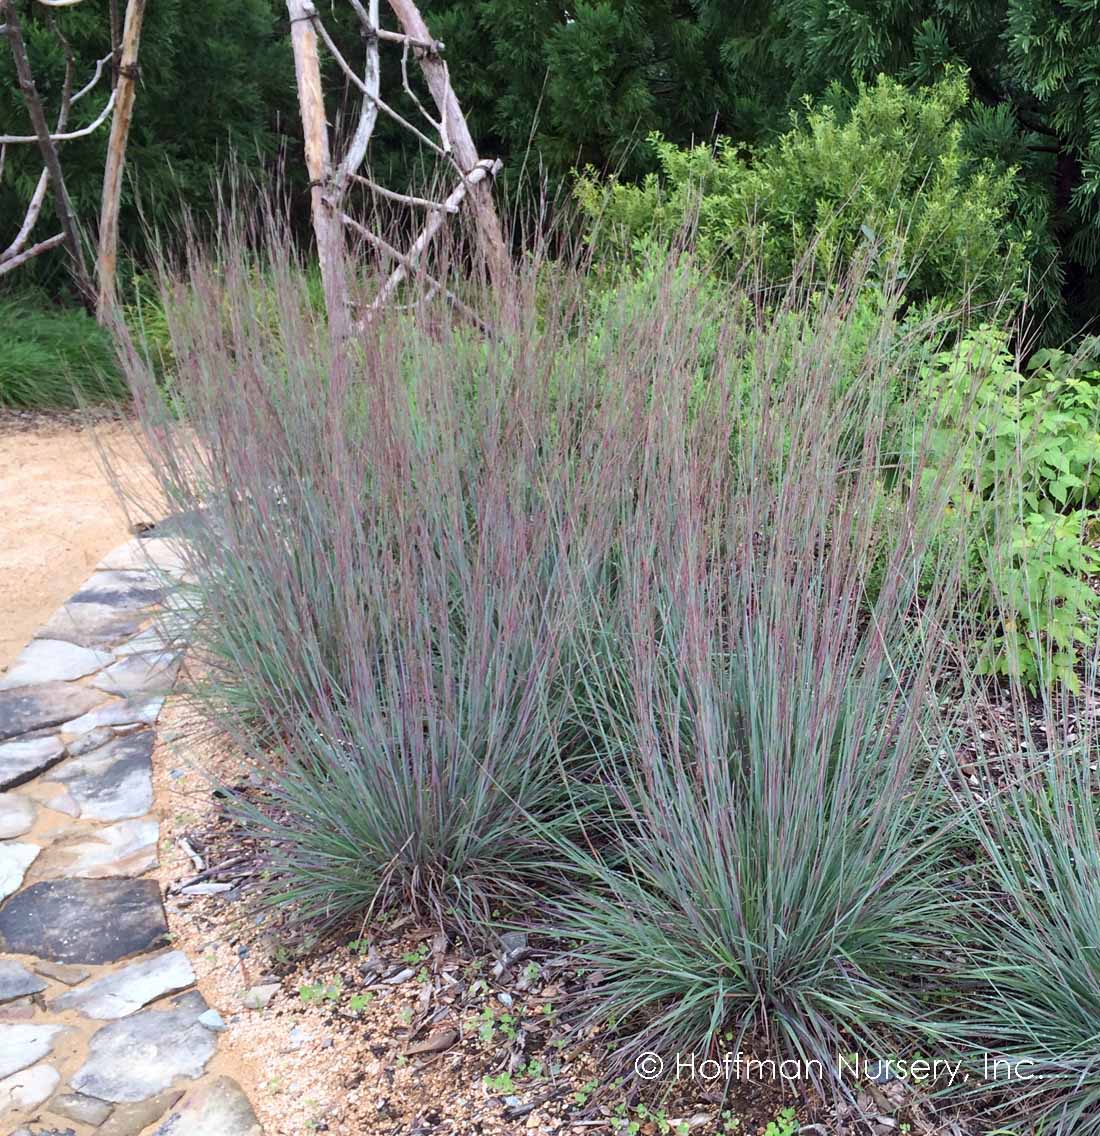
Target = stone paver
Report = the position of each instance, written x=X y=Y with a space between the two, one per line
x=84 y=921
x=23 y=759
x=24 y=1044
x=24 y=709
x=17 y=815
x=77 y=835
x=53 y=660
x=141 y=1055
x=16 y=980
x=128 y=848
x=125 y=991
x=218 y=1106
x=15 y=859
x=112 y=782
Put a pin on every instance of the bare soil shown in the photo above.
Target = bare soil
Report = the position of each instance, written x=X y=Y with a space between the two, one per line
x=58 y=512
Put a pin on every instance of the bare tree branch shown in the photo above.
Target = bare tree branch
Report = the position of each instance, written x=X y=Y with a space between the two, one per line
x=404 y=263
x=403 y=198
x=125 y=90
x=464 y=152
x=327 y=226
x=33 y=251
x=48 y=147
x=70 y=136
x=368 y=115
x=484 y=169
x=385 y=108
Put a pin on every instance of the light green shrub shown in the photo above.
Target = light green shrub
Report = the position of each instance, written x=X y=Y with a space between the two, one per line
x=887 y=177
x=1029 y=487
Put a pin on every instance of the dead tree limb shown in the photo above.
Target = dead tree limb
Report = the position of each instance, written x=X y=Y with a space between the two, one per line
x=328 y=228
x=14 y=261
x=17 y=253
x=125 y=92
x=485 y=169
x=48 y=148
x=489 y=233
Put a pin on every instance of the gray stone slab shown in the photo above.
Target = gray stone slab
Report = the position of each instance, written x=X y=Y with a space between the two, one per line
x=92 y=624
x=52 y=660
x=113 y=782
x=17 y=814
x=24 y=1043
x=219 y=1106
x=84 y=921
x=139 y=1056
x=24 y=759
x=126 y=848
x=16 y=981
x=27 y=708
x=151 y=672
x=141 y=710
x=124 y=591
x=82 y=1109
x=125 y=991
x=15 y=859
x=27 y=1089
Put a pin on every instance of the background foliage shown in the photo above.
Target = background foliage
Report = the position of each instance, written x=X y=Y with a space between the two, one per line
x=551 y=88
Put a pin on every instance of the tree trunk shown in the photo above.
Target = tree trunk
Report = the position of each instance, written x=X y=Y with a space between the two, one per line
x=328 y=226
x=490 y=234
x=62 y=204
x=116 y=157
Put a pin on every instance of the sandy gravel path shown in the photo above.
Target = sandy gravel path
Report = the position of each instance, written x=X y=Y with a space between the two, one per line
x=58 y=516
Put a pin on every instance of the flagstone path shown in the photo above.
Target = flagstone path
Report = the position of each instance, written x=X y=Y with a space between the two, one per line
x=101 y=1028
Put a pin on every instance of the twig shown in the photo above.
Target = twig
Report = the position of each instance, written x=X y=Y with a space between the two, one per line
x=42 y=246
x=70 y=136
x=384 y=107
x=407 y=265
x=484 y=169
x=403 y=198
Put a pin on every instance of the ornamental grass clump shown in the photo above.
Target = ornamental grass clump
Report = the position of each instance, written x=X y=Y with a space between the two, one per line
x=392 y=543
x=771 y=870
x=1029 y=998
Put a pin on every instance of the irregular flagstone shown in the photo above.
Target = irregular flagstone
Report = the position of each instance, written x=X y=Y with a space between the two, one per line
x=143 y=553
x=27 y=708
x=17 y=814
x=28 y=1089
x=140 y=1056
x=18 y=1010
x=122 y=590
x=219 y=1106
x=23 y=760
x=127 y=712
x=128 y=848
x=93 y=739
x=16 y=980
x=130 y=1119
x=84 y=921
x=15 y=859
x=52 y=660
x=157 y=638
x=92 y=624
x=70 y=975
x=151 y=672
x=82 y=1109
x=113 y=782
x=125 y=991
x=22 y=1044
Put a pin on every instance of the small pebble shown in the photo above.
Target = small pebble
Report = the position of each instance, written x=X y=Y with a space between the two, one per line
x=213 y=1021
